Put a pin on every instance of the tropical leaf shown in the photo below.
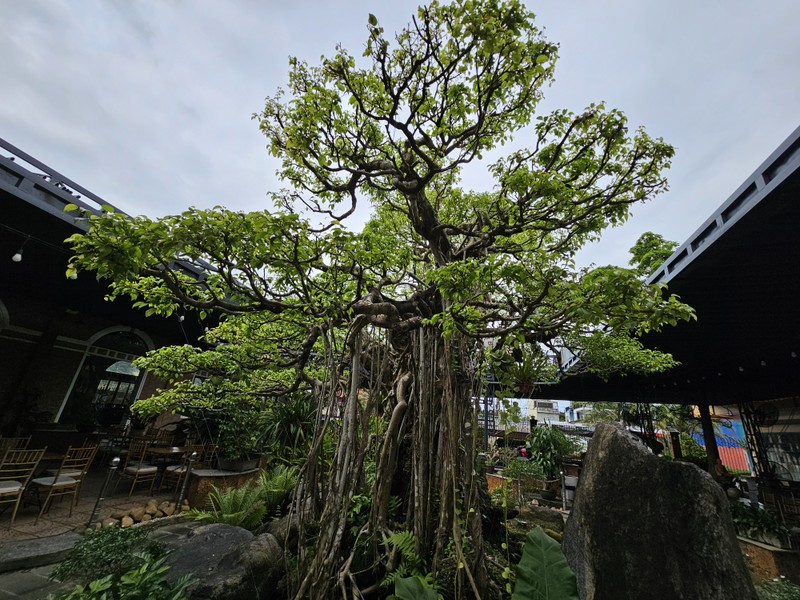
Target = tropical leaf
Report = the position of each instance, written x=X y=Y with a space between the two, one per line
x=412 y=588
x=543 y=572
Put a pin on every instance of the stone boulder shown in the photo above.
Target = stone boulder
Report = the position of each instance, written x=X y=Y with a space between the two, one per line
x=530 y=517
x=284 y=529
x=229 y=563
x=643 y=527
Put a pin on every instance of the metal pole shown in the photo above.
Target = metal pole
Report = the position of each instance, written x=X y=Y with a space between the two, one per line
x=486 y=420
x=112 y=466
x=192 y=458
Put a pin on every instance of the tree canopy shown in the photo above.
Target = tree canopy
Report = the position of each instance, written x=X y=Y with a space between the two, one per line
x=402 y=308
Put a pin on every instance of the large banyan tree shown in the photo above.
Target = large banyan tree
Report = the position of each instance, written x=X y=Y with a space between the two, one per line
x=387 y=327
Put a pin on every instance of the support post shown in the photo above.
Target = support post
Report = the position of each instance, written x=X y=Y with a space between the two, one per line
x=712 y=452
x=179 y=503
x=112 y=466
x=675 y=442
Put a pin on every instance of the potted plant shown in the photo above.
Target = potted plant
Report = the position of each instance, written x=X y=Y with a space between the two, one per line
x=520 y=369
x=759 y=524
x=548 y=447
x=239 y=436
x=528 y=473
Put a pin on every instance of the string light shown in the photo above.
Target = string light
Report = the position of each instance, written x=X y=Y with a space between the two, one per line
x=18 y=256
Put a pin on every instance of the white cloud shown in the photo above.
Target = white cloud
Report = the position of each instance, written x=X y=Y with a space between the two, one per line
x=148 y=104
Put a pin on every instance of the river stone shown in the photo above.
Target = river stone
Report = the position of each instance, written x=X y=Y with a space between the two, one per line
x=643 y=527
x=229 y=563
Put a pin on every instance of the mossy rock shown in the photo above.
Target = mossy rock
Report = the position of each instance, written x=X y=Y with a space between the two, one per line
x=530 y=517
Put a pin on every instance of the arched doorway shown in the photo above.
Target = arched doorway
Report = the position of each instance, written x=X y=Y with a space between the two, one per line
x=107 y=382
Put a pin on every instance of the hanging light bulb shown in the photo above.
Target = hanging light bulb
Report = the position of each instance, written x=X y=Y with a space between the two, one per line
x=18 y=256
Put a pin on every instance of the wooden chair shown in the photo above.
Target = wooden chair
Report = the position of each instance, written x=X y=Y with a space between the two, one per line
x=14 y=443
x=72 y=470
x=136 y=466
x=162 y=437
x=114 y=443
x=67 y=479
x=177 y=472
x=16 y=469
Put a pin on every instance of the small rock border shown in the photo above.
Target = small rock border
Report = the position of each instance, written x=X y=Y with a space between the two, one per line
x=142 y=513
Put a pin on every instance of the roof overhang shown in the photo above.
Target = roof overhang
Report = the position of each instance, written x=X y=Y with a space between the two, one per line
x=32 y=218
x=740 y=271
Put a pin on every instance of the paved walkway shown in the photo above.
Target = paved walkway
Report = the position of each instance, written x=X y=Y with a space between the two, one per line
x=30 y=584
x=29 y=550
x=57 y=520
x=34 y=583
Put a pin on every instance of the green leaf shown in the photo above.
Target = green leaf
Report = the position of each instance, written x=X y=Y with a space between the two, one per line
x=70 y=207
x=543 y=572
x=412 y=588
x=373 y=20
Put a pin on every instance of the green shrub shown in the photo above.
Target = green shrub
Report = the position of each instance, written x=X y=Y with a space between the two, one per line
x=778 y=589
x=548 y=445
x=287 y=427
x=109 y=551
x=751 y=517
x=145 y=582
x=521 y=467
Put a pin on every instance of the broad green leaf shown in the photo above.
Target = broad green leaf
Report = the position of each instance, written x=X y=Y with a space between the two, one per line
x=411 y=588
x=543 y=572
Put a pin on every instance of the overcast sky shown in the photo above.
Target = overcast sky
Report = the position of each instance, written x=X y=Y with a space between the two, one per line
x=148 y=103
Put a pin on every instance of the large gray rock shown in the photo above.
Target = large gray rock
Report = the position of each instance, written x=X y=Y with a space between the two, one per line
x=643 y=528
x=229 y=563
x=284 y=529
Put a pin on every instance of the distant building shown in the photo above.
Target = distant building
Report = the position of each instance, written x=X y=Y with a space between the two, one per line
x=544 y=411
x=575 y=414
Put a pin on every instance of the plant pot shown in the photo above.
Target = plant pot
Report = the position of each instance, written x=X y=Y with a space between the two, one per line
x=238 y=465
x=524 y=389
x=733 y=493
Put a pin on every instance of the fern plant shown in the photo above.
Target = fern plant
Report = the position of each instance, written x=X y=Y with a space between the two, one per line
x=250 y=504
x=242 y=507
x=275 y=486
x=412 y=574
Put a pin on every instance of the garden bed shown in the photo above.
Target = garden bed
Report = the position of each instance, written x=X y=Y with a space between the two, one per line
x=202 y=481
x=767 y=562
